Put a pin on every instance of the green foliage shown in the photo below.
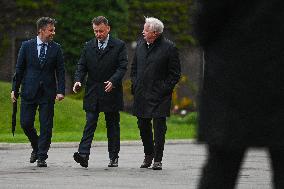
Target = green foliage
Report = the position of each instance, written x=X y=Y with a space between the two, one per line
x=74 y=20
x=74 y=24
x=190 y=121
x=28 y=11
x=21 y=12
x=5 y=106
x=179 y=100
x=175 y=15
x=27 y=4
x=4 y=43
x=127 y=90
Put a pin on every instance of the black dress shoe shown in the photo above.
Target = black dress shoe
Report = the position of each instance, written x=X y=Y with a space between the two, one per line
x=82 y=159
x=33 y=157
x=157 y=166
x=113 y=162
x=41 y=163
x=147 y=161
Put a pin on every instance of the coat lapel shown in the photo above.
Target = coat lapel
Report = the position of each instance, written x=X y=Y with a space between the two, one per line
x=147 y=52
x=96 y=49
x=108 y=47
x=152 y=47
x=95 y=45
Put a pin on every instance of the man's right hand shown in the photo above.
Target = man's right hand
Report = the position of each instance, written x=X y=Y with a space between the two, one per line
x=13 y=97
x=77 y=86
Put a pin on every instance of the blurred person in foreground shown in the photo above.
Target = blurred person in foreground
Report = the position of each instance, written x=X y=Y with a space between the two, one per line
x=40 y=73
x=155 y=71
x=242 y=92
x=104 y=62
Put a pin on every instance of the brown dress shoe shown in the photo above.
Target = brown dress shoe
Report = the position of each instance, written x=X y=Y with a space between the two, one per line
x=147 y=161
x=157 y=166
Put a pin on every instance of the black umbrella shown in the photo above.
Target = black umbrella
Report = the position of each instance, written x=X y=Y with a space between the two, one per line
x=14 y=114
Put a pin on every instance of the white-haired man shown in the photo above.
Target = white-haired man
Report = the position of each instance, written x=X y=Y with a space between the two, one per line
x=155 y=71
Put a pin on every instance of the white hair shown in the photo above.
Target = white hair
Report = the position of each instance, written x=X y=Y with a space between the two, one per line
x=154 y=24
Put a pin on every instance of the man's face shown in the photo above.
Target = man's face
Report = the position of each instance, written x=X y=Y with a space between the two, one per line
x=149 y=35
x=101 y=31
x=47 y=33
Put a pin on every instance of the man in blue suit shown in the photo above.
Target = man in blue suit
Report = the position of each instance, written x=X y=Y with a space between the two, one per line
x=40 y=73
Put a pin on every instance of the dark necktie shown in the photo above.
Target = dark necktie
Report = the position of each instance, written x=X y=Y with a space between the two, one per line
x=42 y=53
x=101 y=45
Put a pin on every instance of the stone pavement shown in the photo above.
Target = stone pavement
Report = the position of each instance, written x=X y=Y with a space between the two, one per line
x=182 y=164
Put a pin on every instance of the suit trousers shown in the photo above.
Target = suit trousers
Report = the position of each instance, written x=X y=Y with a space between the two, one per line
x=223 y=165
x=41 y=143
x=113 y=132
x=153 y=147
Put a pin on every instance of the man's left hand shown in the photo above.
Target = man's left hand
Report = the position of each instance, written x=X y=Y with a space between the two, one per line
x=108 y=86
x=59 y=97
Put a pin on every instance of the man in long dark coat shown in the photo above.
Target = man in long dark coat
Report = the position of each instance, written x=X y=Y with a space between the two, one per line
x=104 y=60
x=154 y=73
x=242 y=93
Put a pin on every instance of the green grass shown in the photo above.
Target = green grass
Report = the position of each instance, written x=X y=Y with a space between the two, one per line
x=69 y=121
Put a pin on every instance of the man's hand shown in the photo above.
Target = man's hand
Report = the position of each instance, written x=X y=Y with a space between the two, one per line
x=59 y=97
x=77 y=86
x=108 y=86
x=13 y=97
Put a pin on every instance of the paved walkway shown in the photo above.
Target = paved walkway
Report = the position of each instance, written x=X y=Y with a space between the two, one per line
x=181 y=168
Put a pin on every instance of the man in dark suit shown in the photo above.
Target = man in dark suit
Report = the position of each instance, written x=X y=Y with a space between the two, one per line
x=241 y=104
x=155 y=71
x=104 y=61
x=41 y=74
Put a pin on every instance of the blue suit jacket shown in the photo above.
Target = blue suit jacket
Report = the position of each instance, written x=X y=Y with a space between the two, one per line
x=32 y=76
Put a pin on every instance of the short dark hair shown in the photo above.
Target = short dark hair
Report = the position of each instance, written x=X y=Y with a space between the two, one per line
x=100 y=20
x=44 y=21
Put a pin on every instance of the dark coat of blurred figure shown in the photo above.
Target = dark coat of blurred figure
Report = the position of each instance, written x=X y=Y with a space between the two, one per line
x=241 y=100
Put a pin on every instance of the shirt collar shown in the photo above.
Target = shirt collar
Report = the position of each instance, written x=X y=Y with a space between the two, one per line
x=106 y=40
x=39 y=42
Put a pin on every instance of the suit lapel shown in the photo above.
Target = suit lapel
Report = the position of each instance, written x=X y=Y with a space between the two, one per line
x=49 y=50
x=34 y=51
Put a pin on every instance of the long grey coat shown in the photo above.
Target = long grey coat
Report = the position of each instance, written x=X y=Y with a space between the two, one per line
x=243 y=87
x=110 y=65
x=154 y=74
